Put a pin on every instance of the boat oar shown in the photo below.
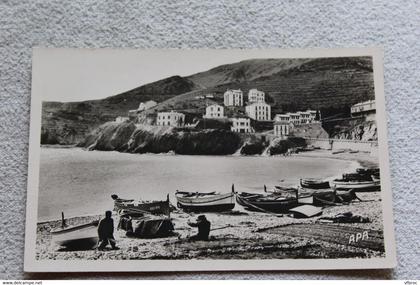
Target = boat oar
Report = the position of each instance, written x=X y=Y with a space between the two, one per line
x=227 y=226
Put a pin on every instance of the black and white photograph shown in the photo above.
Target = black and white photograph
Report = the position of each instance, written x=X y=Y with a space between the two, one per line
x=167 y=160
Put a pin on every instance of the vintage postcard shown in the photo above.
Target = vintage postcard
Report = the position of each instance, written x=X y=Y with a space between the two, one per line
x=208 y=160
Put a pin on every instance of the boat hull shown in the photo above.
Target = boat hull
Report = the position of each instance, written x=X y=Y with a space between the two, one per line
x=156 y=207
x=204 y=208
x=358 y=186
x=312 y=184
x=83 y=236
x=207 y=203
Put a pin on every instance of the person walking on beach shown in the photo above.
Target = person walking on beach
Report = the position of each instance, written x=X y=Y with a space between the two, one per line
x=106 y=232
x=203 y=226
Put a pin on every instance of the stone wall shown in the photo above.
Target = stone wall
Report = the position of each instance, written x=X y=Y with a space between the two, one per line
x=339 y=144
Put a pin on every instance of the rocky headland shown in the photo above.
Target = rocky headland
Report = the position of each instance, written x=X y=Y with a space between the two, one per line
x=132 y=138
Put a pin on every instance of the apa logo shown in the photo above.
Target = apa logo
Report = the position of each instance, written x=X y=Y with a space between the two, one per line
x=354 y=238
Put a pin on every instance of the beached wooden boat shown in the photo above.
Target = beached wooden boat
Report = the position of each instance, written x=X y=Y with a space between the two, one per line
x=357 y=177
x=205 y=202
x=80 y=236
x=314 y=183
x=358 y=186
x=153 y=207
x=267 y=202
x=368 y=171
x=317 y=197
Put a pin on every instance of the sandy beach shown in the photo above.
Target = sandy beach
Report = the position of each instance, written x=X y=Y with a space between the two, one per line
x=247 y=234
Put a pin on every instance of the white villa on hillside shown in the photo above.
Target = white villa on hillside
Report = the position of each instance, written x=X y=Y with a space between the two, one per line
x=256 y=96
x=284 y=124
x=366 y=109
x=214 y=111
x=233 y=98
x=305 y=117
x=172 y=118
x=259 y=111
x=294 y=118
x=282 y=118
x=241 y=124
x=282 y=128
x=312 y=115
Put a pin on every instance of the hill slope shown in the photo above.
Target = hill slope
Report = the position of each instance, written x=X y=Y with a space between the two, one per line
x=316 y=83
x=243 y=71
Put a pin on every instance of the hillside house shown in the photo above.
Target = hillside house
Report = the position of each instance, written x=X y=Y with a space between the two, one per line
x=312 y=115
x=172 y=118
x=282 y=128
x=259 y=111
x=256 y=96
x=233 y=98
x=282 y=118
x=214 y=111
x=241 y=124
x=294 y=118
x=365 y=109
x=305 y=117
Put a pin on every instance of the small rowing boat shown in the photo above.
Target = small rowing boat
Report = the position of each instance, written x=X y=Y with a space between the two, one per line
x=357 y=185
x=205 y=202
x=152 y=207
x=78 y=236
x=314 y=183
x=267 y=202
x=368 y=171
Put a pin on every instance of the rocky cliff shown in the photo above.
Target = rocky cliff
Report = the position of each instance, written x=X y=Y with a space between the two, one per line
x=357 y=130
x=128 y=137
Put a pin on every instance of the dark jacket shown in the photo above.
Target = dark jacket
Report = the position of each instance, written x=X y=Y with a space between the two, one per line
x=203 y=229
x=106 y=228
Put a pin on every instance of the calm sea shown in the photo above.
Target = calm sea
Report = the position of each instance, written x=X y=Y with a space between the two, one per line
x=81 y=182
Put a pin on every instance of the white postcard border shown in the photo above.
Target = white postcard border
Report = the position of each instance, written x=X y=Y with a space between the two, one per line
x=389 y=261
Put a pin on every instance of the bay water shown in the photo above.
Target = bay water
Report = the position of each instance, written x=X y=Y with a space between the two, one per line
x=81 y=182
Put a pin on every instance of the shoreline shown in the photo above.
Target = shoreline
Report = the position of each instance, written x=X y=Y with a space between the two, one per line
x=254 y=235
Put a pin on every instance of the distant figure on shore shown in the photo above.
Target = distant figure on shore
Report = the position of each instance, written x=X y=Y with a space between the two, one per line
x=203 y=226
x=106 y=232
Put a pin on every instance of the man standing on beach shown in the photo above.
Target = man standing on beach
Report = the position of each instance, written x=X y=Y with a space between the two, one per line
x=203 y=226
x=106 y=232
